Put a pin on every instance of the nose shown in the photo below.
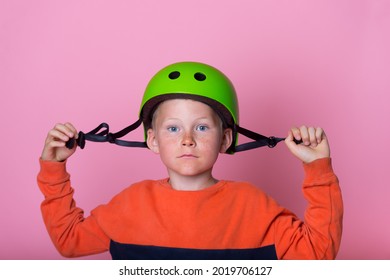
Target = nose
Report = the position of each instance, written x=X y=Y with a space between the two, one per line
x=188 y=140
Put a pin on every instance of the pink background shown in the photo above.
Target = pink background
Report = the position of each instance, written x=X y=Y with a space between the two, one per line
x=322 y=63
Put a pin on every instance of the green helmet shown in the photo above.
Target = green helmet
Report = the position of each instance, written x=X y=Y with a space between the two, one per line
x=192 y=80
x=187 y=80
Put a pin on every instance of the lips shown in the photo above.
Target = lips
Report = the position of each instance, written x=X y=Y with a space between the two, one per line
x=187 y=156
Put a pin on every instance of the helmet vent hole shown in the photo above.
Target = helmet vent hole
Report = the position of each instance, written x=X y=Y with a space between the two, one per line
x=174 y=75
x=200 y=77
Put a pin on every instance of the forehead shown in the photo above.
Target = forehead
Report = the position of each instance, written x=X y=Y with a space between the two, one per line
x=184 y=108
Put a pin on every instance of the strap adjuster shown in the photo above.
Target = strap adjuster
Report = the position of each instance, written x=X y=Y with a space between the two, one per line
x=272 y=142
x=111 y=138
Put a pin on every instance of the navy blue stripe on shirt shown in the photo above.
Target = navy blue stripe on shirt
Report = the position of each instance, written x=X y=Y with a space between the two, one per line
x=120 y=251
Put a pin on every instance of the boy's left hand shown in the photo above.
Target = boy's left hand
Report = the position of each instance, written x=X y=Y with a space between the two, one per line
x=314 y=143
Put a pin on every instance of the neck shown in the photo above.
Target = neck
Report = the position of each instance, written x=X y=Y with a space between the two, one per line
x=191 y=183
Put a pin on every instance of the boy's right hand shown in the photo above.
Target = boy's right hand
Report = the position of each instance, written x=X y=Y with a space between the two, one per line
x=54 y=149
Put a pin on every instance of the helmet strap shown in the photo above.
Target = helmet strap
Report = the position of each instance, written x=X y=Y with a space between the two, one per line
x=102 y=134
x=260 y=140
x=99 y=135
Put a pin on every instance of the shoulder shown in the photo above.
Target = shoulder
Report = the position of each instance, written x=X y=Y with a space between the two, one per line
x=242 y=185
x=249 y=195
x=240 y=188
x=135 y=194
x=144 y=186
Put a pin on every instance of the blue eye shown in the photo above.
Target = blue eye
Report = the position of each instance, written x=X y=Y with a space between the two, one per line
x=202 y=127
x=173 y=129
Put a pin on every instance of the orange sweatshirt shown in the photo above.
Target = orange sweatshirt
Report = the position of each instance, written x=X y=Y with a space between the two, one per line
x=230 y=220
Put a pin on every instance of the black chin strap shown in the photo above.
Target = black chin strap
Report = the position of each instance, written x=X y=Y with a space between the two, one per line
x=102 y=134
x=260 y=140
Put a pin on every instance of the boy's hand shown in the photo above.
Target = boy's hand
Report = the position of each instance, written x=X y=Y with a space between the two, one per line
x=314 y=143
x=54 y=149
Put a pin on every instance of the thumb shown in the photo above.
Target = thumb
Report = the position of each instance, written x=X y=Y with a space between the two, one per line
x=296 y=149
x=289 y=141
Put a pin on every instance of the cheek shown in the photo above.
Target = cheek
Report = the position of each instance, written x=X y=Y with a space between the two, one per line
x=165 y=139
x=166 y=144
x=212 y=144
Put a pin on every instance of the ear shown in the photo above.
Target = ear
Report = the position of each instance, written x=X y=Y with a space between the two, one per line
x=152 y=142
x=227 y=140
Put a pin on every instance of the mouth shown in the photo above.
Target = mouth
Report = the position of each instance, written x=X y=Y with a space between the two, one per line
x=187 y=156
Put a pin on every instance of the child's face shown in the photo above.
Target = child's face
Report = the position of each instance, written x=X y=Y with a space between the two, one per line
x=188 y=135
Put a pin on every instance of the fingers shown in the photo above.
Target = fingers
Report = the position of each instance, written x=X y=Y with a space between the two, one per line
x=55 y=142
x=72 y=129
x=314 y=143
x=61 y=133
x=66 y=129
x=310 y=136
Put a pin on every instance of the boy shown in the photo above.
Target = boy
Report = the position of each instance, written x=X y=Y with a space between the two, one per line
x=190 y=115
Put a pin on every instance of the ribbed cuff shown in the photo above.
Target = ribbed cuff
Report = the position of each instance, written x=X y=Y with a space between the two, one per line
x=318 y=170
x=52 y=171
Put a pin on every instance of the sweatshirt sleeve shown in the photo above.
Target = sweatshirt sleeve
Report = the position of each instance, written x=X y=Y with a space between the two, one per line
x=319 y=235
x=72 y=234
